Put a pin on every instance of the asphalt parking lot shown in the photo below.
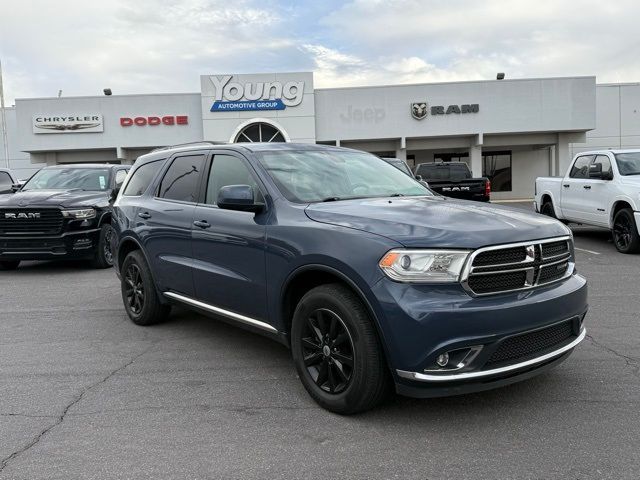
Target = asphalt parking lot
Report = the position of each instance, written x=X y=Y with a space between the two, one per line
x=86 y=394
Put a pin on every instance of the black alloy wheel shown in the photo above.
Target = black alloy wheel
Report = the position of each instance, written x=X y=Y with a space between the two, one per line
x=139 y=293
x=328 y=350
x=547 y=209
x=134 y=289
x=625 y=232
x=337 y=352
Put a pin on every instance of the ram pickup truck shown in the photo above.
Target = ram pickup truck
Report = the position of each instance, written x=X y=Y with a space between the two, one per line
x=369 y=278
x=61 y=212
x=453 y=179
x=600 y=188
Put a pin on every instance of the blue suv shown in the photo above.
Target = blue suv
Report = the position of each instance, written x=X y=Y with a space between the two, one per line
x=371 y=279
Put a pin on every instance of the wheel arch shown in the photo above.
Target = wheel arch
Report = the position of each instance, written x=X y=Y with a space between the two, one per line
x=618 y=204
x=306 y=277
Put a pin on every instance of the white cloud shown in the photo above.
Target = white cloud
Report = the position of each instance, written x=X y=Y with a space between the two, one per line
x=150 y=46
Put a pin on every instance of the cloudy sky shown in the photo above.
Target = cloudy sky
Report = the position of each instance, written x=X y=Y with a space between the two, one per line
x=154 y=46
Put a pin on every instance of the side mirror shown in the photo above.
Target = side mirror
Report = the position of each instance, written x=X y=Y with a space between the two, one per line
x=238 y=197
x=418 y=177
x=16 y=186
x=595 y=171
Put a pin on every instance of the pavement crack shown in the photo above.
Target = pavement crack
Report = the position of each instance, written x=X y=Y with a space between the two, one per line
x=631 y=362
x=60 y=418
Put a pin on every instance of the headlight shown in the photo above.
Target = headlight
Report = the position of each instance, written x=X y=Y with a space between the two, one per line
x=80 y=214
x=424 y=266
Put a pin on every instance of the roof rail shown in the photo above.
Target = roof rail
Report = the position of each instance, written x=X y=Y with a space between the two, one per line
x=202 y=142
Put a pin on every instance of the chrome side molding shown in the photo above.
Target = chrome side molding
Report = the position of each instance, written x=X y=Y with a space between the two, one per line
x=221 y=311
x=424 y=377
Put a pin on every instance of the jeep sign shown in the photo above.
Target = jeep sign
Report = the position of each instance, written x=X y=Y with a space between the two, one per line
x=234 y=97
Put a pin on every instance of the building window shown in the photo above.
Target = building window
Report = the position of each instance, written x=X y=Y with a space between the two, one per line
x=496 y=166
x=260 y=132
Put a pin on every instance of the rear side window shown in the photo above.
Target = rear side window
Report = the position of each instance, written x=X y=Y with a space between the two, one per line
x=182 y=179
x=580 y=168
x=141 y=179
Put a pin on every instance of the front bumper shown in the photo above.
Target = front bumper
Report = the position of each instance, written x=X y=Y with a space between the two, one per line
x=421 y=322
x=70 y=245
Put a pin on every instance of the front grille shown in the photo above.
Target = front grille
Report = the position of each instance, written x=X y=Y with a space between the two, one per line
x=532 y=344
x=518 y=267
x=30 y=221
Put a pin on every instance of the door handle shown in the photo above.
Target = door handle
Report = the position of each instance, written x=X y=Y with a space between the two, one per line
x=566 y=185
x=202 y=224
x=144 y=215
x=587 y=187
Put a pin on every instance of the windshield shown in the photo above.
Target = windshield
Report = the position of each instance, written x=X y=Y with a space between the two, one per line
x=315 y=176
x=454 y=172
x=628 y=163
x=68 y=179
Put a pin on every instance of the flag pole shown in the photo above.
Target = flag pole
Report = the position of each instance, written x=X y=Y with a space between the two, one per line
x=3 y=116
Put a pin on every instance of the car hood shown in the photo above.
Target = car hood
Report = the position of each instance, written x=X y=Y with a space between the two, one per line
x=58 y=198
x=437 y=221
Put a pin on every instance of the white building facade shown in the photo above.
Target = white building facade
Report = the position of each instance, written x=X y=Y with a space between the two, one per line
x=510 y=130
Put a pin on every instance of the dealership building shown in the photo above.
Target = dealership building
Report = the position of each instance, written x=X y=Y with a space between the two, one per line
x=508 y=130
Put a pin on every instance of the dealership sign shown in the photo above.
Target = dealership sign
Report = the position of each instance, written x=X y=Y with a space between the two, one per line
x=140 y=121
x=250 y=96
x=419 y=109
x=67 y=123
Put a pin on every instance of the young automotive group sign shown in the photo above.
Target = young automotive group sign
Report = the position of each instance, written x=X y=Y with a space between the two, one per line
x=233 y=96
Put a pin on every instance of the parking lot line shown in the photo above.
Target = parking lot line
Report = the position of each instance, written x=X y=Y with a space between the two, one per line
x=585 y=250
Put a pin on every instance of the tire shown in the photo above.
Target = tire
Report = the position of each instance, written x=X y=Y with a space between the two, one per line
x=547 y=209
x=350 y=337
x=9 y=264
x=625 y=232
x=139 y=293
x=103 y=257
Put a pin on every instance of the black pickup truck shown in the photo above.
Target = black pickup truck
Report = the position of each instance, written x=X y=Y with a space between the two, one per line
x=453 y=179
x=61 y=212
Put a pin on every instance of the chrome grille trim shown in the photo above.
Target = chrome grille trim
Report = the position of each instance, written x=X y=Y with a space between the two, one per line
x=532 y=265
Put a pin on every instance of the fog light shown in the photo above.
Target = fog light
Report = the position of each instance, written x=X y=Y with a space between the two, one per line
x=442 y=359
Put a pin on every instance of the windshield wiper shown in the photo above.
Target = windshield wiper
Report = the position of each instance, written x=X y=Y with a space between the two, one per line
x=397 y=195
x=632 y=173
x=331 y=199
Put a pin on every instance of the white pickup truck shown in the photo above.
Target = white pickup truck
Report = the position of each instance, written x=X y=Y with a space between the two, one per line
x=600 y=188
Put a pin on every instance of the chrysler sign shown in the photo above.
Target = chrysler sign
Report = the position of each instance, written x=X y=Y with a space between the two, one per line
x=67 y=123
x=236 y=97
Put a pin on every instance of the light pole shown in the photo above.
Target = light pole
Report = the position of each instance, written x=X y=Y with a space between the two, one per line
x=3 y=117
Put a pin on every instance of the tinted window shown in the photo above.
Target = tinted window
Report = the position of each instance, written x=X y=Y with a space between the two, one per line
x=580 y=168
x=141 y=178
x=5 y=181
x=229 y=170
x=182 y=178
x=444 y=172
x=605 y=162
x=120 y=176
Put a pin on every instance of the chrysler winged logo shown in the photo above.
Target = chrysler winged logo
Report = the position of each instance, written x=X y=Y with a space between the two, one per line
x=419 y=110
x=22 y=215
x=65 y=126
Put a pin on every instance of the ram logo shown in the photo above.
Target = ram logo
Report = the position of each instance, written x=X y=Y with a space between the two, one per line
x=27 y=215
x=419 y=110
